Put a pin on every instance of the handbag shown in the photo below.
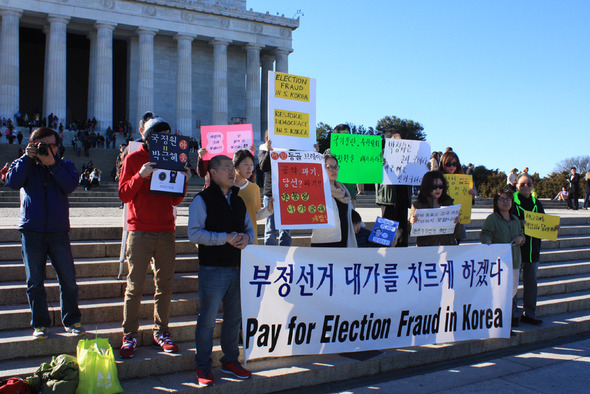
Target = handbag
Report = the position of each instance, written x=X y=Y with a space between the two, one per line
x=98 y=370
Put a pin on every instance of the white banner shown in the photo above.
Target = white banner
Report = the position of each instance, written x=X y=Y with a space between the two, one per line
x=435 y=221
x=405 y=161
x=298 y=300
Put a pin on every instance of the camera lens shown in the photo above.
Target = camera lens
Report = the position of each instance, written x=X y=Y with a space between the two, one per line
x=42 y=149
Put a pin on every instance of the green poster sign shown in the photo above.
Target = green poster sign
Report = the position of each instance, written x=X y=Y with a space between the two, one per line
x=359 y=157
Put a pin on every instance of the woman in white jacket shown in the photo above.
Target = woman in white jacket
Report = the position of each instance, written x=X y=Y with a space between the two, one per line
x=342 y=234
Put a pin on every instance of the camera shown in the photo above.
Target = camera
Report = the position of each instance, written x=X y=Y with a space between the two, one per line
x=42 y=149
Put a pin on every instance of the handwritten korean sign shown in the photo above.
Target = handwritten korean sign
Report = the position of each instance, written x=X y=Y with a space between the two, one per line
x=169 y=151
x=359 y=157
x=435 y=221
x=298 y=300
x=459 y=186
x=405 y=161
x=291 y=111
x=226 y=139
x=540 y=225
x=301 y=190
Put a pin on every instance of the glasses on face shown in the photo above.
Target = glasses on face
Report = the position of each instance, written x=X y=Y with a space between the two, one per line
x=434 y=187
x=227 y=169
x=504 y=199
x=332 y=168
x=527 y=184
x=452 y=164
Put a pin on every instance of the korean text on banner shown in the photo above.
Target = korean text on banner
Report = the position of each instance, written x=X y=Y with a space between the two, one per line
x=226 y=139
x=435 y=221
x=540 y=225
x=359 y=157
x=459 y=186
x=301 y=190
x=169 y=151
x=405 y=161
x=301 y=300
x=291 y=111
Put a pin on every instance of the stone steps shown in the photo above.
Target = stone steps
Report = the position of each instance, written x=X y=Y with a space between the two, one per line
x=564 y=305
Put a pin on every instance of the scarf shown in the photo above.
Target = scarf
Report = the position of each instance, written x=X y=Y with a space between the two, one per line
x=339 y=192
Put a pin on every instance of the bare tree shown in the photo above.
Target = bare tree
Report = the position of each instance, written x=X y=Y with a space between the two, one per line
x=582 y=164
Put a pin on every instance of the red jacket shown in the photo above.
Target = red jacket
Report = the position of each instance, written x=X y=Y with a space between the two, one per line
x=146 y=212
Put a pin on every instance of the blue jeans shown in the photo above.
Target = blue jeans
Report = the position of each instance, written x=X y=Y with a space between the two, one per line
x=217 y=284
x=270 y=231
x=36 y=246
x=529 y=295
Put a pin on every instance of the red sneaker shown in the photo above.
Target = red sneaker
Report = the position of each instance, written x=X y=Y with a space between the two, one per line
x=164 y=342
x=128 y=348
x=205 y=377
x=236 y=369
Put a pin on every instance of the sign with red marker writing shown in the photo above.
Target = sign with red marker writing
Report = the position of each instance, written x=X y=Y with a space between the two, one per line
x=226 y=139
x=301 y=190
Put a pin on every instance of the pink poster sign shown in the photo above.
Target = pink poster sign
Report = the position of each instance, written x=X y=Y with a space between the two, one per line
x=226 y=139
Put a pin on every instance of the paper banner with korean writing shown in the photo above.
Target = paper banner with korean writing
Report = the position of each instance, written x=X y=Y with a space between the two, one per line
x=540 y=225
x=301 y=190
x=435 y=221
x=291 y=111
x=405 y=161
x=359 y=157
x=226 y=139
x=169 y=151
x=299 y=300
x=459 y=186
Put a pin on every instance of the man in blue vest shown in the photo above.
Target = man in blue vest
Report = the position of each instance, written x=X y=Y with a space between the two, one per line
x=219 y=223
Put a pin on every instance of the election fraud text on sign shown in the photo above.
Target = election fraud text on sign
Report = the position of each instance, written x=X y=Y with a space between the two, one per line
x=301 y=300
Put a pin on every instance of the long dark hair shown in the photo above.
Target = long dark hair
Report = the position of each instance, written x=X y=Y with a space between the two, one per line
x=427 y=186
x=449 y=157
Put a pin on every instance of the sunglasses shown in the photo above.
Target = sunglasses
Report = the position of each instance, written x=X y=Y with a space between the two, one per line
x=441 y=187
x=527 y=184
x=453 y=164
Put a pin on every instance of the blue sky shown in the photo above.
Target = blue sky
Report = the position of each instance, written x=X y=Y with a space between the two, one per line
x=505 y=83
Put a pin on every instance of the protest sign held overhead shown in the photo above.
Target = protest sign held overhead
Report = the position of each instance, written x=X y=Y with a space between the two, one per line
x=459 y=186
x=540 y=225
x=405 y=161
x=301 y=190
x=226 y=139
x=301 y=300
x=435 y=221
x=359 y=157
x=291 y=111
x=168 y=151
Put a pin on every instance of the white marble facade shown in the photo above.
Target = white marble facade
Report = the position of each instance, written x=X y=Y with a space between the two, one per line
x=193 y=62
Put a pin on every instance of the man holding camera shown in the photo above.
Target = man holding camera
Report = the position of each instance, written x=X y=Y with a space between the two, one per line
x=45 y=181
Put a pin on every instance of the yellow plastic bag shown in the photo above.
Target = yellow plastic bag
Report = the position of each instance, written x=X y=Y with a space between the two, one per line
x=98 y=370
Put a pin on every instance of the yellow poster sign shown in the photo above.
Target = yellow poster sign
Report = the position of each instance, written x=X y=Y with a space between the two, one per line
x=540 y=225
x=291 y=87
x=459 y=186
x=291 y=123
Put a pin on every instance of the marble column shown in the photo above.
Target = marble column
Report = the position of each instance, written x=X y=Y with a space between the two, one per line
x=9 y=63
x=145 y=86
x=253 y=87
x=184 y=85
x=91 y=74
x=282 y=56
x=267 y=65
x=54 y=96
x=220 y=114
x=103 y=89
